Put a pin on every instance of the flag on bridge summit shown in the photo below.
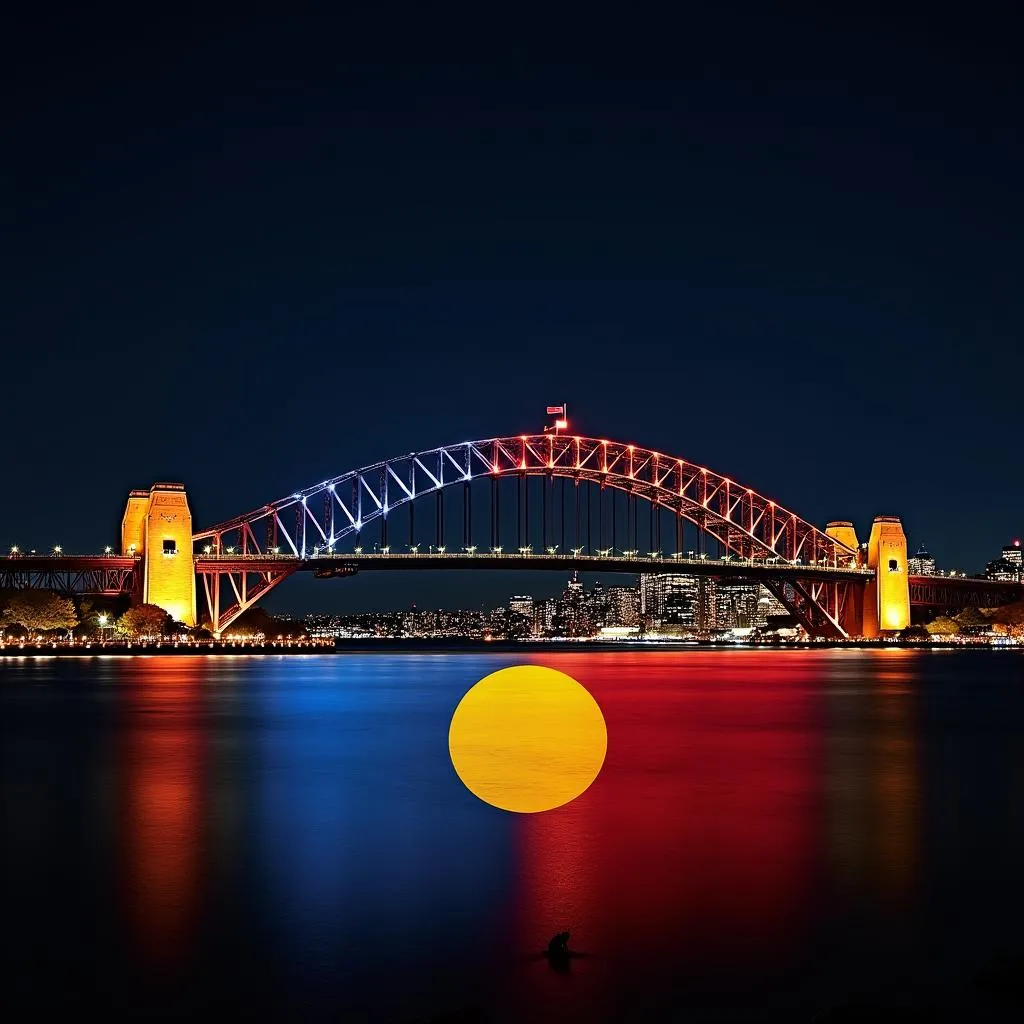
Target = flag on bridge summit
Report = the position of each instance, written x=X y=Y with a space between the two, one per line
x=556 y=410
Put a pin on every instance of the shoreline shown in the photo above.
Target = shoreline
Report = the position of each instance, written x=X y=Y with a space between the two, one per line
x=424 y=645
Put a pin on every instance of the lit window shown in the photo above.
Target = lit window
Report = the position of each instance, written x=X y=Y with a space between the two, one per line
x=170 y=547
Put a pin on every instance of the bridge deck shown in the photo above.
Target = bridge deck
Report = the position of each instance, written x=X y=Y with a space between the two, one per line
x=348 y=564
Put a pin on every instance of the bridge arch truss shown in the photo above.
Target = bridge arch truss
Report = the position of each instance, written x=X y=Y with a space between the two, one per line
x=320 y=521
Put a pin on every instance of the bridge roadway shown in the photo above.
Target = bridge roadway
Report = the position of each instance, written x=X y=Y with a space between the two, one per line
x=69 y=574
x=115 y=574
x=348 y=564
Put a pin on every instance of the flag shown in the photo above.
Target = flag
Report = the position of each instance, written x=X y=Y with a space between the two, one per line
x=556 y=410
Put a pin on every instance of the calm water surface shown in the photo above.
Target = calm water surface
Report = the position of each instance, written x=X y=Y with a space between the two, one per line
x=775 y=835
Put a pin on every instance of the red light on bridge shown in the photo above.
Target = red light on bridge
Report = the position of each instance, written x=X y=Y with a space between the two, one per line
x=561 y=424
x=1016 y=542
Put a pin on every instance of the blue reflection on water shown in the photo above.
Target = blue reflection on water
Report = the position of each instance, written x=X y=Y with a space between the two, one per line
x=354 y=784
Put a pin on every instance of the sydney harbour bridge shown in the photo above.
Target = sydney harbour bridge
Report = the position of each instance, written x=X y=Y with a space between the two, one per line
x=549 y=501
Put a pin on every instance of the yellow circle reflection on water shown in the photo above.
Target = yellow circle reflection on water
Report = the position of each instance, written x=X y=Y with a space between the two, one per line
x=527 y=739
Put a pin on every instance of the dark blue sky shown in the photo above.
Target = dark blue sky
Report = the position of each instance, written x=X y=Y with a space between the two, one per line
x=252 y=254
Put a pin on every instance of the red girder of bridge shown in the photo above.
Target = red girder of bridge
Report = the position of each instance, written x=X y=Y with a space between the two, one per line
x=956 y=592
x=743 y=521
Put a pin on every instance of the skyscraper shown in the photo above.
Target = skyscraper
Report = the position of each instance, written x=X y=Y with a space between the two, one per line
x=922 y=563
x=669 y=601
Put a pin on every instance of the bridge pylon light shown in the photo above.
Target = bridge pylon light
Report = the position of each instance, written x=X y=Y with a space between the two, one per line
x=887 y=596
x=843 y=531
x=157 y=525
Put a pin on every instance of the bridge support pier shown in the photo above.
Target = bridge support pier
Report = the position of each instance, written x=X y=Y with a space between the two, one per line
x=852 y=619
x=887 y=596
x=157 y=526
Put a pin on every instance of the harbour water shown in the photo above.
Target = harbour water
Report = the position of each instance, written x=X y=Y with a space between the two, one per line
x=774 y=835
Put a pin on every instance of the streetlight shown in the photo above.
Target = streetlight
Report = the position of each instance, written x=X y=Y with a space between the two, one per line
x=527 y=550
x=14 y=549
x=108 y=550
x=207 y=549
x=471 y=550
x=552 y=549
x=576 y=552
x=57 y=549
x=103 y=619
x=496 y=550
x=654 y=554
x=414 y=549
x=604 y=552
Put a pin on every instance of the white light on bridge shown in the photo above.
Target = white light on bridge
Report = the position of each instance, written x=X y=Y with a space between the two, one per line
x=526 y=551
x=471 y=550
x=57 y=549
x=496 y=550
x=553 y=549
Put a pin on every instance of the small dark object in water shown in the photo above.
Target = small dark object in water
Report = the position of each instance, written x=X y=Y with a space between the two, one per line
x=559 y=946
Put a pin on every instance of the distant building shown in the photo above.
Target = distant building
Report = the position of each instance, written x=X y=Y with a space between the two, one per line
x=623 y=605
x=768 y=607
x=521 y=605
x=1009 y=566
x=669 y=601
x=735 y=604
x=921 y=563
x=545 y=611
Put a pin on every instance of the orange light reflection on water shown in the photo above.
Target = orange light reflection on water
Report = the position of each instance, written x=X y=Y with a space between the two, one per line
x=161 y=772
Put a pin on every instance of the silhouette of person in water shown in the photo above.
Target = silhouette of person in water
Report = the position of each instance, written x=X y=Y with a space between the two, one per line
x=559 y=945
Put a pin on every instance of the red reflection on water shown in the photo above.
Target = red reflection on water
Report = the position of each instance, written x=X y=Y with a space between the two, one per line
x=895 y=776
x=711 y=793
x=161 y=770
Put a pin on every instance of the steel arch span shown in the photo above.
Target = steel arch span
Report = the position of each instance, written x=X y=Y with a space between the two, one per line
x=310 y=524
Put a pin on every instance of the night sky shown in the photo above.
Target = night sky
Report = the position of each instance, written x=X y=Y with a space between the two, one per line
x=252 y=254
